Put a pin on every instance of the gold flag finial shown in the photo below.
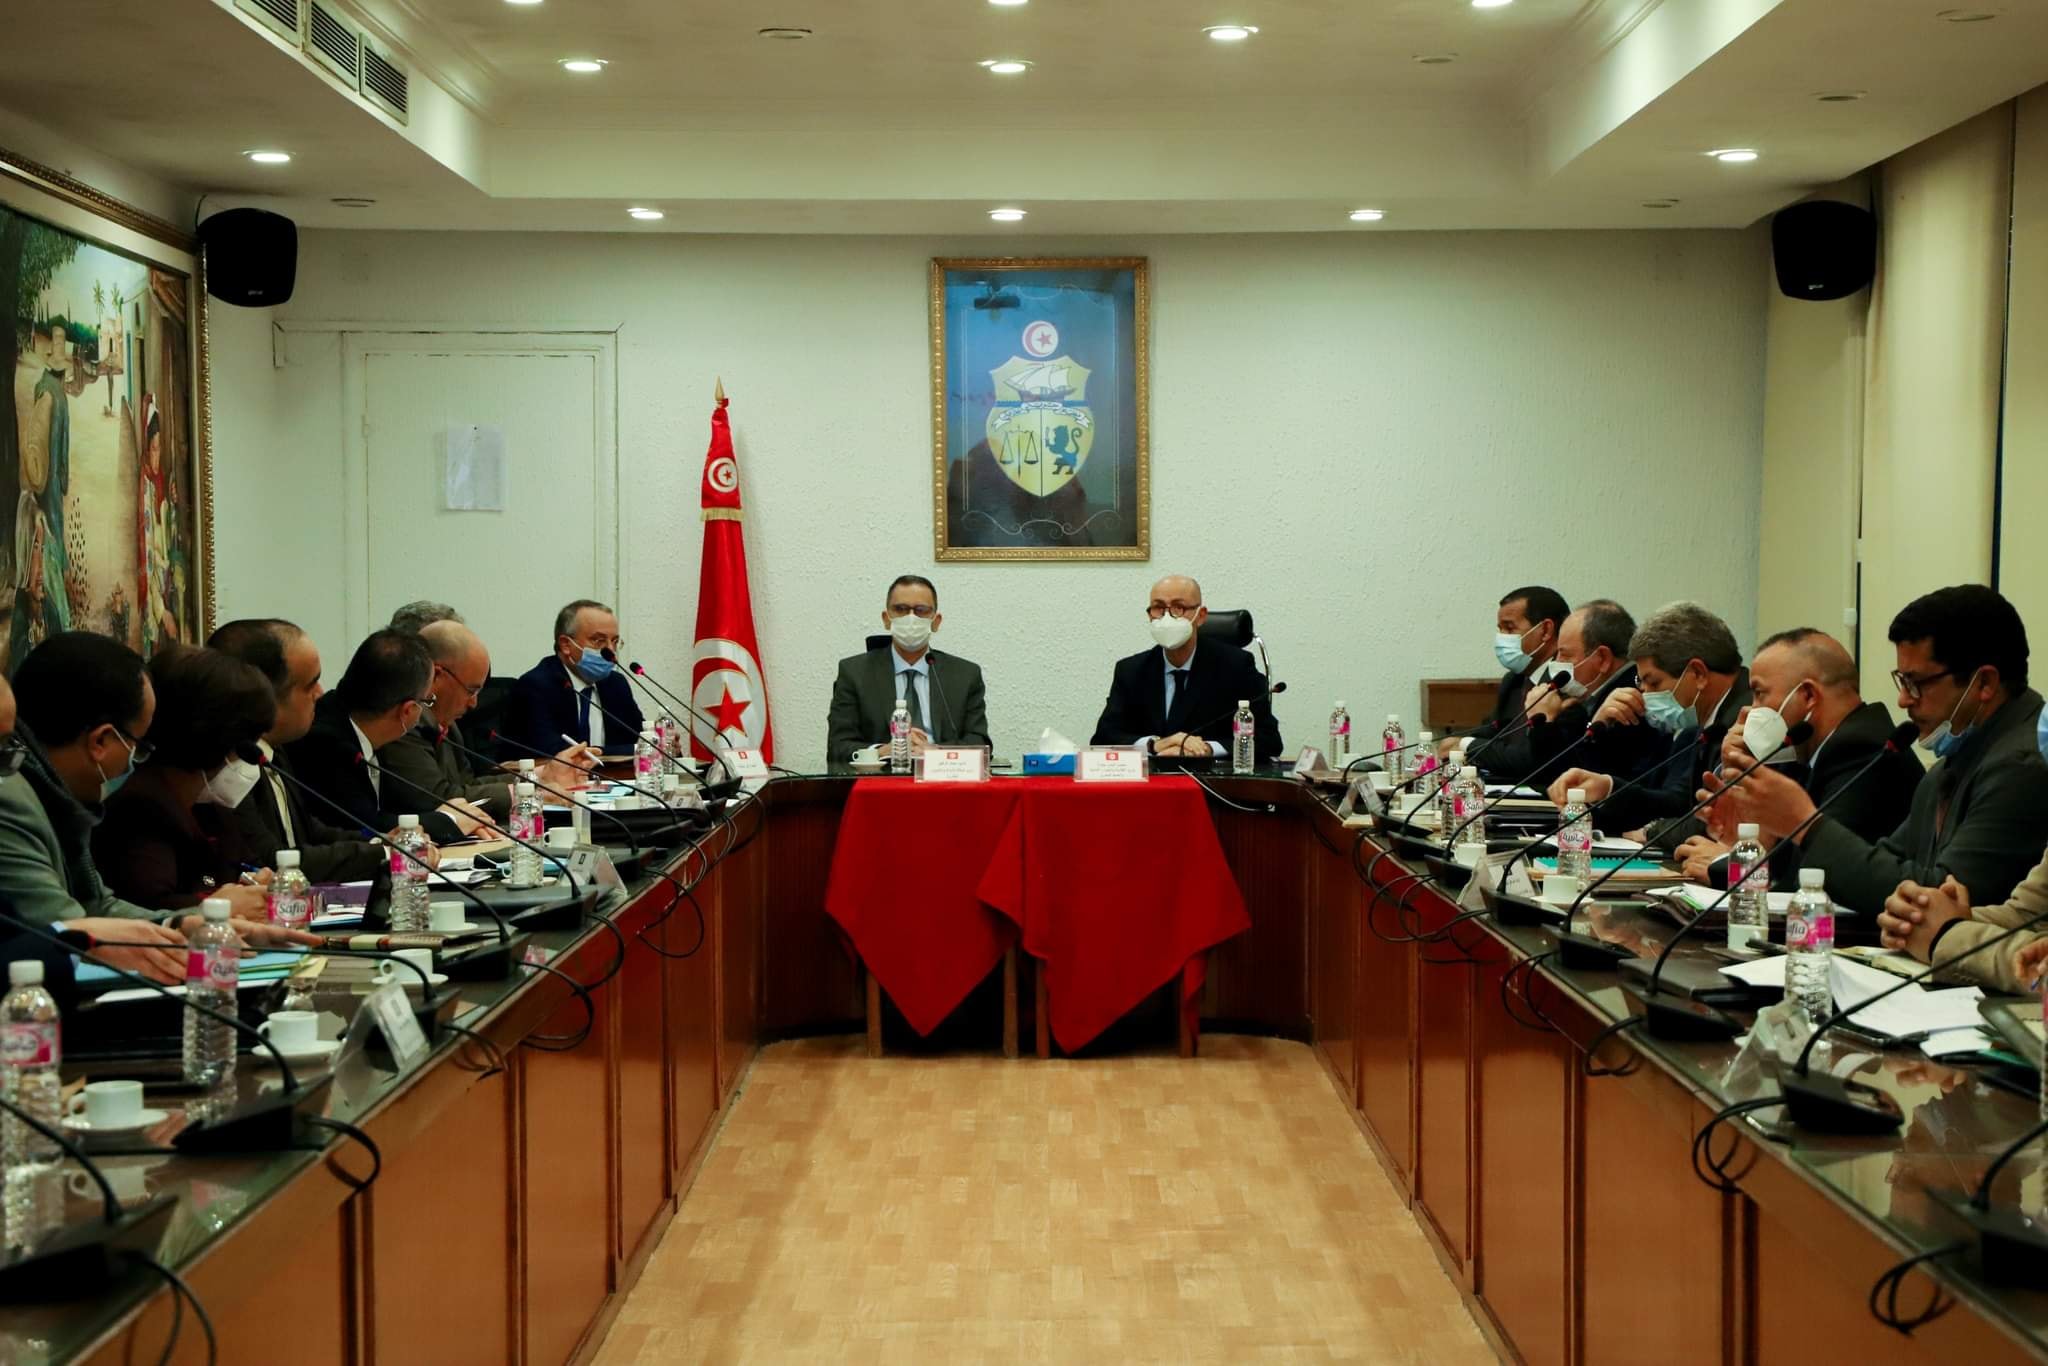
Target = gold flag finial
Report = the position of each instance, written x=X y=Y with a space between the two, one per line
x=718 y=390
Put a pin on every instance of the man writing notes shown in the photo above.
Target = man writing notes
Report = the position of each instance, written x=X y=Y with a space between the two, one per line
x=1177 y=698
x=1979 y=816
x=943 y=692
x=576 y=695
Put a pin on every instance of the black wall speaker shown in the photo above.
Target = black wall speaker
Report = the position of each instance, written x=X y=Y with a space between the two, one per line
x=1824 y=249
x=252 y=256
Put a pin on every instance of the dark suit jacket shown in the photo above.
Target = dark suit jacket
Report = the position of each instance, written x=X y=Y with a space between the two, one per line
x=1219 y=676
x=864 y=697
x=327 y=852
x=542 y=708
x=1618 y=751
x=158 y=854
x=1512 y=756
x=444 y=771
x=330 y=761
x=1657 y=804
x=1980 y=815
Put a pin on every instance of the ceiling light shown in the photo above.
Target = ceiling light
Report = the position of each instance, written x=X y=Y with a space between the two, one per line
x=1230 y=33
x=1434 y=58
x=1006 y=66
x=784 y=35
x=1967 y=16
x=584 y=66
x=1367 y=215
x=1733 y=155
x=267 y=158
x=1660 y=203
x=1006 y=4
x=352 y=202
x=522 y=2
x=1007 y=215
x=645 y=215
x=1491 y=4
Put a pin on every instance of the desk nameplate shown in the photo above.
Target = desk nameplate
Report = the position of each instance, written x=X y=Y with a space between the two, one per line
x=969 y=765
x=1107 y=764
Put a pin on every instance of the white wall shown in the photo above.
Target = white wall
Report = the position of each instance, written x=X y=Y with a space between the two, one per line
x=1365 y=437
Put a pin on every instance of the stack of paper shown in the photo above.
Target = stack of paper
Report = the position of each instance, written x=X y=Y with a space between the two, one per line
x=1912 y=1012
x=1696 y=897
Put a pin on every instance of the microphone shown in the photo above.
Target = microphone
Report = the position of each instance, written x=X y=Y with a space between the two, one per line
x=1533 y=845
x=265 y=1125
x=733 y=780
x=1689 y=1025
x=476 y=964
x=546 y=856
x=76 y=1260
x=463 y=749
x=1796 y=735
x=1555 y=682
x=932 y=672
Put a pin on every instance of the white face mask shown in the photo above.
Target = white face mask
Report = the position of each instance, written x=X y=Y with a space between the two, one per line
x=910 y=631
x=1170 y=633
x=1572 y=688
x=236 y=780
x=1763 y=732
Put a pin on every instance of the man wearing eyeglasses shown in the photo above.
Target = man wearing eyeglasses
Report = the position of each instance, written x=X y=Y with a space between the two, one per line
x=1177 y=698
x=580 y=693
x=943 y=692
x=1979 y=817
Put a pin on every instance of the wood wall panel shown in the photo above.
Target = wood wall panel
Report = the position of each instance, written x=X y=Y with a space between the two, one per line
x=566 y=1190
x=1386 y=1035
x=1260 y=977
x=646 y=1165
x=1334 y=966
x=809 y=983
x=692 y=1029
x=741 y=893
x=1443 y=1105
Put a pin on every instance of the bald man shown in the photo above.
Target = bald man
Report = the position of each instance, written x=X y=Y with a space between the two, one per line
x=1177 y=698
x=431 y=757
x=1807 y=675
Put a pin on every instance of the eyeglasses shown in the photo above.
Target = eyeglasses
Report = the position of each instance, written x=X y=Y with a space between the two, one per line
x=1172 y=609
x=139 y=751
x=13 y=754
x=425 y=703
x=474 y=693
x=900 y=609
x=1909 y=686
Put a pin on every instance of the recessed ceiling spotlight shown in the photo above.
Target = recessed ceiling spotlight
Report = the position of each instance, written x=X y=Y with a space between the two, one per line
x=1840 y=96
x=1230 y=33
x=784 y=35
x=1660 y=203
x=1005 y=66
x=1491 y=4
x=1367 y=215
x=584 y=66
x=267 y=158
x=1434 y=58
x=522 y=3
x=1007 y=215
x=1007 y=4
x=352 y=201
x=645 y=215
x=1733 y=155
x=1966 y=16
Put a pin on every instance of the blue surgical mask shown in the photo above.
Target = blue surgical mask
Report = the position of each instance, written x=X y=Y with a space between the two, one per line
x=1666 y=714
x=594 y=667
x=1507 y=648
x=1945 y=739
x=109 y=786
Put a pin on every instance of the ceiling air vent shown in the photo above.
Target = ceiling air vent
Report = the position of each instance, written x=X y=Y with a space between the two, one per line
x=281 y=16
x=386 y=84
x=335 y=43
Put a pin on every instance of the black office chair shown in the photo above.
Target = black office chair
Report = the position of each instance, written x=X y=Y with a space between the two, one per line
x=1231 y=626
x=880 y=642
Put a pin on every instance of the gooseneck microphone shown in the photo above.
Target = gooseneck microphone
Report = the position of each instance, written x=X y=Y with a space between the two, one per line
x=546 y=856
x=648 y=681
x=1272 y=690
x=78 y=1259
x=1555 y=682
x=534 y=778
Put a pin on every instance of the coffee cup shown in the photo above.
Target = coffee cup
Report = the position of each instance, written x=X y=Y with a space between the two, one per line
x=1560 y=890
x=563 y=839
x=109 y=1104
x=388 y=971
x=446 y=917
x=291 y=1030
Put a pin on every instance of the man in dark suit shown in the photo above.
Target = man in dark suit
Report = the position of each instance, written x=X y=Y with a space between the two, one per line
x=1979 y=816
x=1178 y=698
x=943 y=692
x=1593 y=650
x=577 y=694
x=275 y=816
x=1527 y=626
x=1690 y=688
x=1806 y=676
x=381 y=696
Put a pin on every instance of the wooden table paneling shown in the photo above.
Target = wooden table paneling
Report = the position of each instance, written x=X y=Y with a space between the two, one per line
x=639 y=1016
x=1334 y=932
x=738 y=901
x=566 y=1190
x=1443 y=1077
x=809 y=982
x=692 y=1030
x=1260 y=977
x=1386 y=1031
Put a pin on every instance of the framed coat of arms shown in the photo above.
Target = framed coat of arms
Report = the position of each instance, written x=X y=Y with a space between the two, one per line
x=1040 y=440
x=104 y=475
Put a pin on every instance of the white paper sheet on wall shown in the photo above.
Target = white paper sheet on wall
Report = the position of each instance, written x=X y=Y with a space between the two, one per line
x=473 y=478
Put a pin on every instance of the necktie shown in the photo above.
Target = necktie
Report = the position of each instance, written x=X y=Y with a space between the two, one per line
x=910 y=700
x=284 y=809
x=1176 y=693
x=583 y=709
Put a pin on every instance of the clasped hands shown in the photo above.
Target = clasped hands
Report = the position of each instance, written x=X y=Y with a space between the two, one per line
x=1181 y=745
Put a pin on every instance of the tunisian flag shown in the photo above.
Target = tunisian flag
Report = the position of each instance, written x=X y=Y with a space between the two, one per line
x=726 y=682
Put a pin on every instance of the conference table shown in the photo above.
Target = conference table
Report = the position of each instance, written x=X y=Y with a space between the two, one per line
x=527 y=1170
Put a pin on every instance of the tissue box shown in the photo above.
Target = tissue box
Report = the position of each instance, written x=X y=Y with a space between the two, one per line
x=1049 y=763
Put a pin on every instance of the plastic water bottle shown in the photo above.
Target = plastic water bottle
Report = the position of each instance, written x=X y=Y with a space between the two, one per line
x=291 y=895
x=1394 y=749
x=1749 y=898
x=1340 y=737
x=1575 y=838
x=1439 y=788
x=408 y=914
x=649 y=759
x=1414 y=767
x=213 y=966
x=1468 y=804
x=899 y=739
x=671 y=732
x=1809 y=943
x=525 y=823
x=1243 y=731
x=31 y=1049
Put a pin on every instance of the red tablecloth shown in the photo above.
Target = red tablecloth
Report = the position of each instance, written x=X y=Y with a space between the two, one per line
x=1115 y=887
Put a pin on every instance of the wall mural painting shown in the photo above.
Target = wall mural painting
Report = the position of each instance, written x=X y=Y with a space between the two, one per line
x=96 y=443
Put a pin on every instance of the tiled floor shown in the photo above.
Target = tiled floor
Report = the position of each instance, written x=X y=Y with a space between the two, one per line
x=1221 y=1209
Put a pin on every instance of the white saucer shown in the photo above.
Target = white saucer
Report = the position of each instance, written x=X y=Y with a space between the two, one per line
x=79 y=1124
x=876 y=767
x=466 y=927
x=318 y=1051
